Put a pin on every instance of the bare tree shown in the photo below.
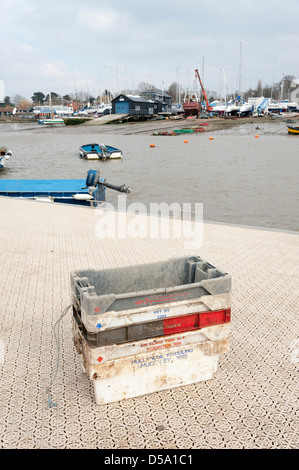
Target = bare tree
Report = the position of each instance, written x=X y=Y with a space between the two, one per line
x=174 y=91
x=144 y=86
x=24 y=103
x=259 y=88
x=17 y=98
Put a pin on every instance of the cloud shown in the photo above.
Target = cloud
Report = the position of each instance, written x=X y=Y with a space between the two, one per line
x=55 y=70
x=115 y=44
x=28 y=69
x=98 y=20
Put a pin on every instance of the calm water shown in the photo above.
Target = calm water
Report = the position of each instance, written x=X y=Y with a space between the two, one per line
x=239 y=179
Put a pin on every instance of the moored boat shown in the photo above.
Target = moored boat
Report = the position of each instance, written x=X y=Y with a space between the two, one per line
x=293 y=129
x=99 y=152
x=52 y=122
x=5 y=155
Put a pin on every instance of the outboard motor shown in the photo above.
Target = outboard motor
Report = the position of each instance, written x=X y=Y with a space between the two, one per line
x=92 y=178
x=96 y=187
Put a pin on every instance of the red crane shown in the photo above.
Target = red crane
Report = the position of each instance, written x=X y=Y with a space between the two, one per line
x=208 y=107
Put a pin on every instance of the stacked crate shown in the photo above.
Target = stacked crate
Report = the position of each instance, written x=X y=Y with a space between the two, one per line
x=145 y=328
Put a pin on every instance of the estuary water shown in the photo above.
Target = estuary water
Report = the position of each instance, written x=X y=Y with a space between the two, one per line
x=239 y=178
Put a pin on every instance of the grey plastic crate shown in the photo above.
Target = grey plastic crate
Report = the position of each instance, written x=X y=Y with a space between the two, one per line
x=98 y=292
x=145 y=330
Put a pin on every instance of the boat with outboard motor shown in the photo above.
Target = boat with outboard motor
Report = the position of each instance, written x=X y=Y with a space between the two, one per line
x=89 y=192
x=5 y=155
x=99 y=152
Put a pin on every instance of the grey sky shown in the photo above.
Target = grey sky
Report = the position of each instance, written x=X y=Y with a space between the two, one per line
x=92 y=45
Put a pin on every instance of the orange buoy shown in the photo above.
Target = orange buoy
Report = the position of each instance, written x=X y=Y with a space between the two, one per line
x=186 y=141
x=152 y=145
x=256 y=136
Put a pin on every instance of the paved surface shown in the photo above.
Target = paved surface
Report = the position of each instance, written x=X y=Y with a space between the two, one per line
x=252 y=400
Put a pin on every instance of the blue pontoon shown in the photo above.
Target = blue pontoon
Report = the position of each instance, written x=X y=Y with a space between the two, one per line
x=72 y=191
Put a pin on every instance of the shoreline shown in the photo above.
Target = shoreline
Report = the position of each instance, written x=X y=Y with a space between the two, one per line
x=168 y=125
x=210 y=124
x=148 y=127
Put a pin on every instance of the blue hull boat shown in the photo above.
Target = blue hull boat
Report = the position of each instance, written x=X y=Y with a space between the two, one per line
x=90 y=192
x=99 y=152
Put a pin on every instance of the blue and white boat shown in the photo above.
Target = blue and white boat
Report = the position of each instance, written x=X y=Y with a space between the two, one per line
x=5 y=155
x=89 y=192
x=99 y=152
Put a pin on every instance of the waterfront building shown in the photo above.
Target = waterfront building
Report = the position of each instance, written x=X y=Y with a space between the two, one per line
x=58 y=110
x=136 y=105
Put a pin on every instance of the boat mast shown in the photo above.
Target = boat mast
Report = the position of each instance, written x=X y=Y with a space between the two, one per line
x=177 y=86
x=240 y=72
x=273 y=80
x=203 y=78
x=50 y=100
x=225 y=85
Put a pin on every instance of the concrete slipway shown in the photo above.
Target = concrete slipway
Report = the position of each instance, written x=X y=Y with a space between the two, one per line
x=252 y=400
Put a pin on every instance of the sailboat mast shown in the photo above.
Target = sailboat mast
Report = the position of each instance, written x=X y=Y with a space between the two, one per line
x=240 y=72
x=273 y=80
x=51 y=110
x=203 y=77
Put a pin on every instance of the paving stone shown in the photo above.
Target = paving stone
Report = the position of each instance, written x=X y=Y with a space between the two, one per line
x=251 y=402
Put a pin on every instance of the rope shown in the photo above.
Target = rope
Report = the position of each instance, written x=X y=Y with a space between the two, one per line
x=274 y=132
x=51 y=403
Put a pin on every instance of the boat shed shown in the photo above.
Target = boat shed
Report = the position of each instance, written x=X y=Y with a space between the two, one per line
x=135 y=105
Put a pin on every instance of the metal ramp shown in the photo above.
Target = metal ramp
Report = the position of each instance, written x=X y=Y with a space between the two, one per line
x=105 y=119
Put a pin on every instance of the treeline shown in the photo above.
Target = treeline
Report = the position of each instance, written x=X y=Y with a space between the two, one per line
x=39 y=98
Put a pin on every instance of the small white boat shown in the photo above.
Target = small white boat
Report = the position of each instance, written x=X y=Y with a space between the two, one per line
x=5 y=155
x=99 y=152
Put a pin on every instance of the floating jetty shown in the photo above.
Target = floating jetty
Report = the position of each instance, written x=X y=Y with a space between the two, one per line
x=89 y=192
x=251 y=402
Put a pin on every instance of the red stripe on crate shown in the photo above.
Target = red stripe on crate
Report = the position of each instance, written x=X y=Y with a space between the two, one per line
x=195 y=321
